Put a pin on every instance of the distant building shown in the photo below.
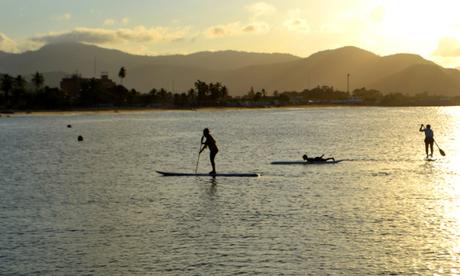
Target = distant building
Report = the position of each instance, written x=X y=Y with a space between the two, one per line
x=72 y=85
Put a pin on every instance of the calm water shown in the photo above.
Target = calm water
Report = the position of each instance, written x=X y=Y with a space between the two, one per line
x=98 y=207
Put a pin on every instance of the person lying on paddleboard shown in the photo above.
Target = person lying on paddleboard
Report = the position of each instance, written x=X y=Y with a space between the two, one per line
x=317 y=159
x=210 y=143
x=429 y=139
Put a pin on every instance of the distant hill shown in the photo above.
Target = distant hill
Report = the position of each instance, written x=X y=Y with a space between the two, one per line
x=405 y=73
x=421 y=78
x=88 y=59
x=323 y=68
x=4 y=54
x=222 y=60
x=239 y=71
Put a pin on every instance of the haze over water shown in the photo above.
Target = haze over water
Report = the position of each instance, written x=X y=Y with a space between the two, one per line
x=99 y=207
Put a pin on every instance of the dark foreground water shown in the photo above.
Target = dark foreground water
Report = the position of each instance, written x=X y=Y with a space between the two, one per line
x=98 y=207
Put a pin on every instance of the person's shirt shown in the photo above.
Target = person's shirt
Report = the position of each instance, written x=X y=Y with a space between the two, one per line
x=428 y=133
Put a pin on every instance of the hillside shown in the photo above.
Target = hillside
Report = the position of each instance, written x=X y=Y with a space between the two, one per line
x=239 y=71
x=88 y=59
x=420 y=78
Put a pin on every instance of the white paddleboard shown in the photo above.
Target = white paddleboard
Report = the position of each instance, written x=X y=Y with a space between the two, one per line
x=305 y=162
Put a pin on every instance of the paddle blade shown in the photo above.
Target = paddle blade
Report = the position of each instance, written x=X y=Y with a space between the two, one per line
x=442 y=152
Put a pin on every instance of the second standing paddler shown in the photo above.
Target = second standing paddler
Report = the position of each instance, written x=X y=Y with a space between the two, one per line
x=429 y=139
x=210 y=143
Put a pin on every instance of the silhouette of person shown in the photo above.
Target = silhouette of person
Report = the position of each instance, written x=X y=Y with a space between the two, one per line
x=210 y=143
x=429 y=139
x=317 y=158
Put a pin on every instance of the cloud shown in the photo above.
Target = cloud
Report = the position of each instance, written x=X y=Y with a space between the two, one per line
x=296 y=22
x=236 y=28
x=64 y=17
x=229 y=29
x=7 y=44
x=109 y=22
x=261 y=9
x=378 y=14
x=125 y=20
x=448 y=47
x=257 y=28
x=299 y=25
x=87 y=35
x=106 y=36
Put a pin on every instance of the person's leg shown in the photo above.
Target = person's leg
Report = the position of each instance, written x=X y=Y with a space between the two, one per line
x=426 y=148
x=431 y=147
x=330 y=158
x=212 y=156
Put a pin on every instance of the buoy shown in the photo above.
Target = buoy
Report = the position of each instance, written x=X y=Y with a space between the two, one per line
x=69 y=126
x=80 y=138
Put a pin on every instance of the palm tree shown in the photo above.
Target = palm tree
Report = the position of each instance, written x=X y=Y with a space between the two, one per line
x=38 y=80
x=6 y=86
x=19 y=88
x=122 y=74
x=19 y=82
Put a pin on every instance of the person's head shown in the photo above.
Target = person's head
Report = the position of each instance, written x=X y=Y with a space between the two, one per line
x=305 y=157
x=428 y=126
x=206 y=132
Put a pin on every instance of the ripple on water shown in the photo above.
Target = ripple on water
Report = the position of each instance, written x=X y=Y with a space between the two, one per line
x=98 y=207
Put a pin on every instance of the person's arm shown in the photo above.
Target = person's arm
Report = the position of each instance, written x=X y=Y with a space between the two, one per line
x=422 y=128
x=204 y=144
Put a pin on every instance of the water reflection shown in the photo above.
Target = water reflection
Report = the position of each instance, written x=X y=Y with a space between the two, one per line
x=448 y=184
x=212 y=190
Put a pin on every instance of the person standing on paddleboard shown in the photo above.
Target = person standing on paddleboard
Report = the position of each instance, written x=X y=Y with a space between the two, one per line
x=429 y=139
x=210 y=143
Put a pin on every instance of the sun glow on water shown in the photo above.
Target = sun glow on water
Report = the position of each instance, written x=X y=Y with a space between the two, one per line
x=448 y=138
x=447 y=183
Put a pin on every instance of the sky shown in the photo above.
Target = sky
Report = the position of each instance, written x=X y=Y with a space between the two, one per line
x=299 y=27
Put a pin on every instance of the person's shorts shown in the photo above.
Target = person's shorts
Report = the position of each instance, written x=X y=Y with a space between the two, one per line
x=429 y=140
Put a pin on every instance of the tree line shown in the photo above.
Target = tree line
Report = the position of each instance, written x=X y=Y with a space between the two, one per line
x=17 y=93
x=21 y=94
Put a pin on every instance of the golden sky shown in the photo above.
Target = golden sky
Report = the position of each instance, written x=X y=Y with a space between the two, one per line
x=300 y=27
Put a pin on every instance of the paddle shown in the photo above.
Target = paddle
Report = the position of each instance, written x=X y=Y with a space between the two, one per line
x=440 y=150
x=199 y=153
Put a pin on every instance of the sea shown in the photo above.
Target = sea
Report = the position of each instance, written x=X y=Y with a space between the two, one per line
x=98 y=207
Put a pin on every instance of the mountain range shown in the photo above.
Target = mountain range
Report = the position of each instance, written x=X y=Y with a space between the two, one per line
x=239 y=71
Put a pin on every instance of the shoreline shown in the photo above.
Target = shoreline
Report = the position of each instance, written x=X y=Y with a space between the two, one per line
x=210 y=108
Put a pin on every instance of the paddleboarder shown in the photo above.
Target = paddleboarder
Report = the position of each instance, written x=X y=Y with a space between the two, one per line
x=210 y=143
x=317 y=159
x=429 y=139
